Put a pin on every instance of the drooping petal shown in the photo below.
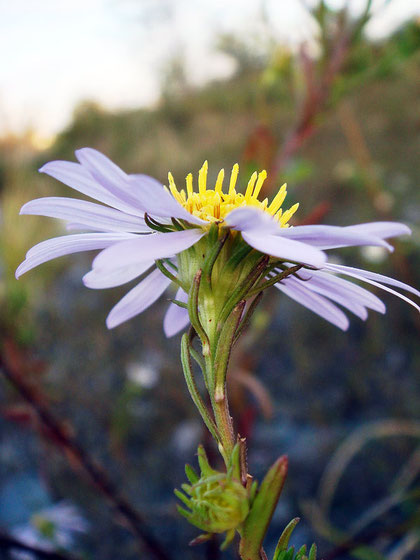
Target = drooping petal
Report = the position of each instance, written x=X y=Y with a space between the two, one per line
x=327 y=281
x=315 y=303
x=250 y=219
x=157 y=201
x=109 y=278
x=364 y=274
x=147 y=247
x=176 y=317
x=334 y=294
x=75 y=176
x=287 y=249
x=382 y=229
x=138 y=299
x=67 y=244
x=347 y=271
x=85 y=213
x=332 y=237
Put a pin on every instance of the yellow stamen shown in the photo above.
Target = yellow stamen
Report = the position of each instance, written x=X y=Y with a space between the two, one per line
x=261 y=178
x=212 y=205
x=250 y=187
x=288 y=214
x=173 y=189
x=219 y=181
x=202 y=178
x=233 y=178
x=189 y=181
x=278 y=200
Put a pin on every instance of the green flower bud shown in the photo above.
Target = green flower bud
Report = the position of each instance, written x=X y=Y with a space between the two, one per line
x=217 y=503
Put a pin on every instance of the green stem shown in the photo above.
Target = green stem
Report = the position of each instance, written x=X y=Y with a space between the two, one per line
x=192 y=387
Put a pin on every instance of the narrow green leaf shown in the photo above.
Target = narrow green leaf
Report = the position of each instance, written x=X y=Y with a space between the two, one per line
x=243 y=325
x=301 y=551
x=312 y=552
x=285 y=536
x=224 y=348
x=265 y=502
x=194 y=314
x=213 y=253
x=192 y=387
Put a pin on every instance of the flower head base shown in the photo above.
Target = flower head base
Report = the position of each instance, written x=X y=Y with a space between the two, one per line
x=212 y=205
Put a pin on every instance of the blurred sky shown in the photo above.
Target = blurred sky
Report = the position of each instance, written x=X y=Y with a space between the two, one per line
x=55 y=53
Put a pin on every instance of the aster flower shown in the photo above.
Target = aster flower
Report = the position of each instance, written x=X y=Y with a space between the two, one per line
x=53 y=528
x=164 y=235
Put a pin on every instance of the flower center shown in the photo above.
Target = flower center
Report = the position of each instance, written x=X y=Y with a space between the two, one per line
x=213 y=205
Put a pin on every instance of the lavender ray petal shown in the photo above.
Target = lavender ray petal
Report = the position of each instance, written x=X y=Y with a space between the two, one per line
x=138 y=299
x=381 y=286
x=287 y=249
x=157 y=201
x=65 y=245
x=250 y=219
x=110 y=176
x=332 y=237
x=176 y=318
x=72 y=226
x=147 y=247
x=88 y=213
x=315 y=303
x=382 y=229
x=75 y=176
x=326 y=280
x=372 y=276
x=335 y=295
x=99 y=280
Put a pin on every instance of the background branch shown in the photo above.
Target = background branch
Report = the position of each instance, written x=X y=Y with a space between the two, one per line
x=94 y=472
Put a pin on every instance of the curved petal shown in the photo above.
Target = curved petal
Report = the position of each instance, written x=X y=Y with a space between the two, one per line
x=364 y=274
x=287 y=249
x=85 y=213
x=332 y=237
x=147 y=247
x=315 y=303
x=98 y=279
x=382 y=229
x=138 y=299
x=67 y=244
x=364 y=278
x=176 y=317
x=75 y=176
x=327 y=281
x=331 y=293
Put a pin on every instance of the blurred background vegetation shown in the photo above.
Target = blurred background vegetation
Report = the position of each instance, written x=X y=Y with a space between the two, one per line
x=338 y=120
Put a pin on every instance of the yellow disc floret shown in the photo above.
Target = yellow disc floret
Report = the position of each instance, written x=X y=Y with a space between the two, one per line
x=213 y=205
